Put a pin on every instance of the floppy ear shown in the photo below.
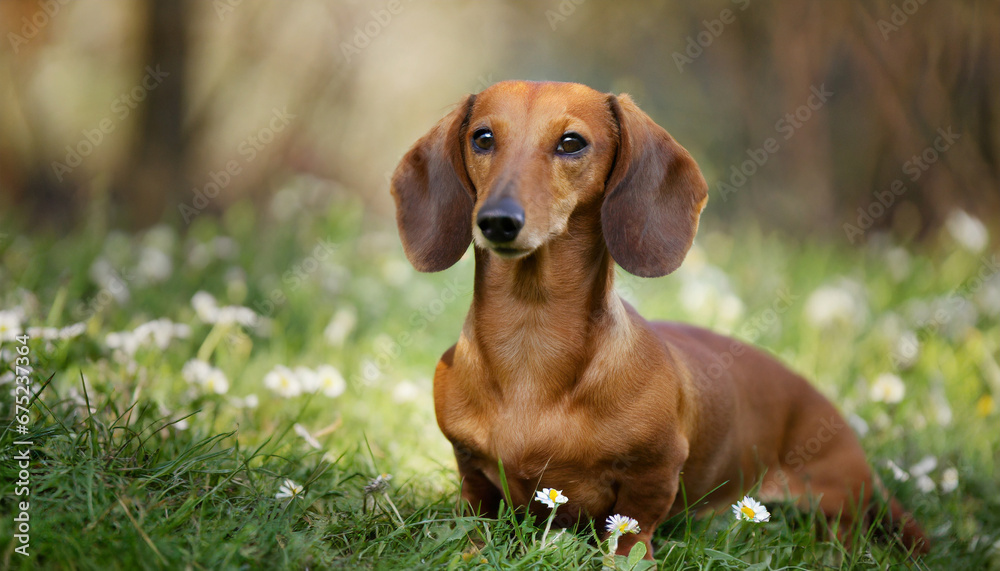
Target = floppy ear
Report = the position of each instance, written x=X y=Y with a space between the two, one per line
x=434 y=198
x=653 y=198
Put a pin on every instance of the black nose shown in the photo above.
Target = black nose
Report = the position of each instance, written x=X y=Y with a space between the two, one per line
x=501 y=220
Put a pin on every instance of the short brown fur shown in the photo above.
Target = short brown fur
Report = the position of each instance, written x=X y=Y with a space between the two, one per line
x=563 y=381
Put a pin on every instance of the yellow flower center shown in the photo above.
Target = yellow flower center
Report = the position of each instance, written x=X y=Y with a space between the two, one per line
x=748 y=512
x=553 y=494
x=622 y=527
x=985 y=406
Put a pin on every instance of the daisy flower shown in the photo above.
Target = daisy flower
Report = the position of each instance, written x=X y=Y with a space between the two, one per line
x=46 y=333
x=283 y=381
x=211 y=379
x=897 y=472
x=967 y=230
x=308 y=379
x=749 y=509
x=289 y=490
x=620 y=525
x=205 y=306
x=551 y=497
x=949 y=480
x=195 y=371
x=71 y=331
x=379 y=484
x=331 y=382
x=10 y=325
x=887 y=388
x=216 y=382
x=841 y=303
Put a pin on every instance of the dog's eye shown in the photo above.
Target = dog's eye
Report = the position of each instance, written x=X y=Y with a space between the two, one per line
x=571 y=144
x=482 y=139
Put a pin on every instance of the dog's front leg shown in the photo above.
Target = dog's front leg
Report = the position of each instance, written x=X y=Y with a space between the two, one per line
x=647 y=498
x=480 y=493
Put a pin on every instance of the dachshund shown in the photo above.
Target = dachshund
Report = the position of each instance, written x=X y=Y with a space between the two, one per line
x=563 y=381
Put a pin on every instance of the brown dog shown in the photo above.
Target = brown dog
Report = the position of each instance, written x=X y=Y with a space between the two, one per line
x=558 y=377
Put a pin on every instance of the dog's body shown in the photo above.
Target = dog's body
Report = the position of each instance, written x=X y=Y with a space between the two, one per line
x=560 y=379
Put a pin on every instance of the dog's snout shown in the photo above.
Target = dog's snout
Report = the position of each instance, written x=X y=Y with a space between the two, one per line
x=500 y=221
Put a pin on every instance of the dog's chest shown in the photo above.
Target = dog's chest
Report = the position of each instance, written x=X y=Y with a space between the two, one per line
x=544 y=446
x=543 y=450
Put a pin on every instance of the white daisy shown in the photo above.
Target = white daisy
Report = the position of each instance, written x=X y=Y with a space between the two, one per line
x=159 y=331
x=925 y=484
x=405 y=391
x=887 y=388
x=749 y=509
x=195 y=371
x=551 y=497
x=181 y=330
x=924 y=467
x=308 y=379
x=290 y=490
x=897 y=472
x=967 y=230
x=198 y=372
x=154 y=265
x=205 y=306
x=331 y=382
x=10 y=325
x=283 y=381
x=125 y=341
x=620 y=525
x=231 y=314
x=216 y=382
x=949 y=480
x=831 y=304
x=74 y=330
x=45 y=333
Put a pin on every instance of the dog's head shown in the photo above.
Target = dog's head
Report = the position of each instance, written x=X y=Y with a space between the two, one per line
x=509 y=166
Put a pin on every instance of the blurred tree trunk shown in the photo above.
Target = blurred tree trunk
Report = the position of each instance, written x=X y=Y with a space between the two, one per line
x=154 y=176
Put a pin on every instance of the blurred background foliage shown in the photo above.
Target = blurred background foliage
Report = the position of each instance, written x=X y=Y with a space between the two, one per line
x=121 y=113
x=157 y=156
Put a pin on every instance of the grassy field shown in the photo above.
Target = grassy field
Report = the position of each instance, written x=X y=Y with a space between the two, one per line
x=180 y=378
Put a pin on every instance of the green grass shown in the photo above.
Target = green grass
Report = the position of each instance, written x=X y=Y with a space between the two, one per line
x=135 y=467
